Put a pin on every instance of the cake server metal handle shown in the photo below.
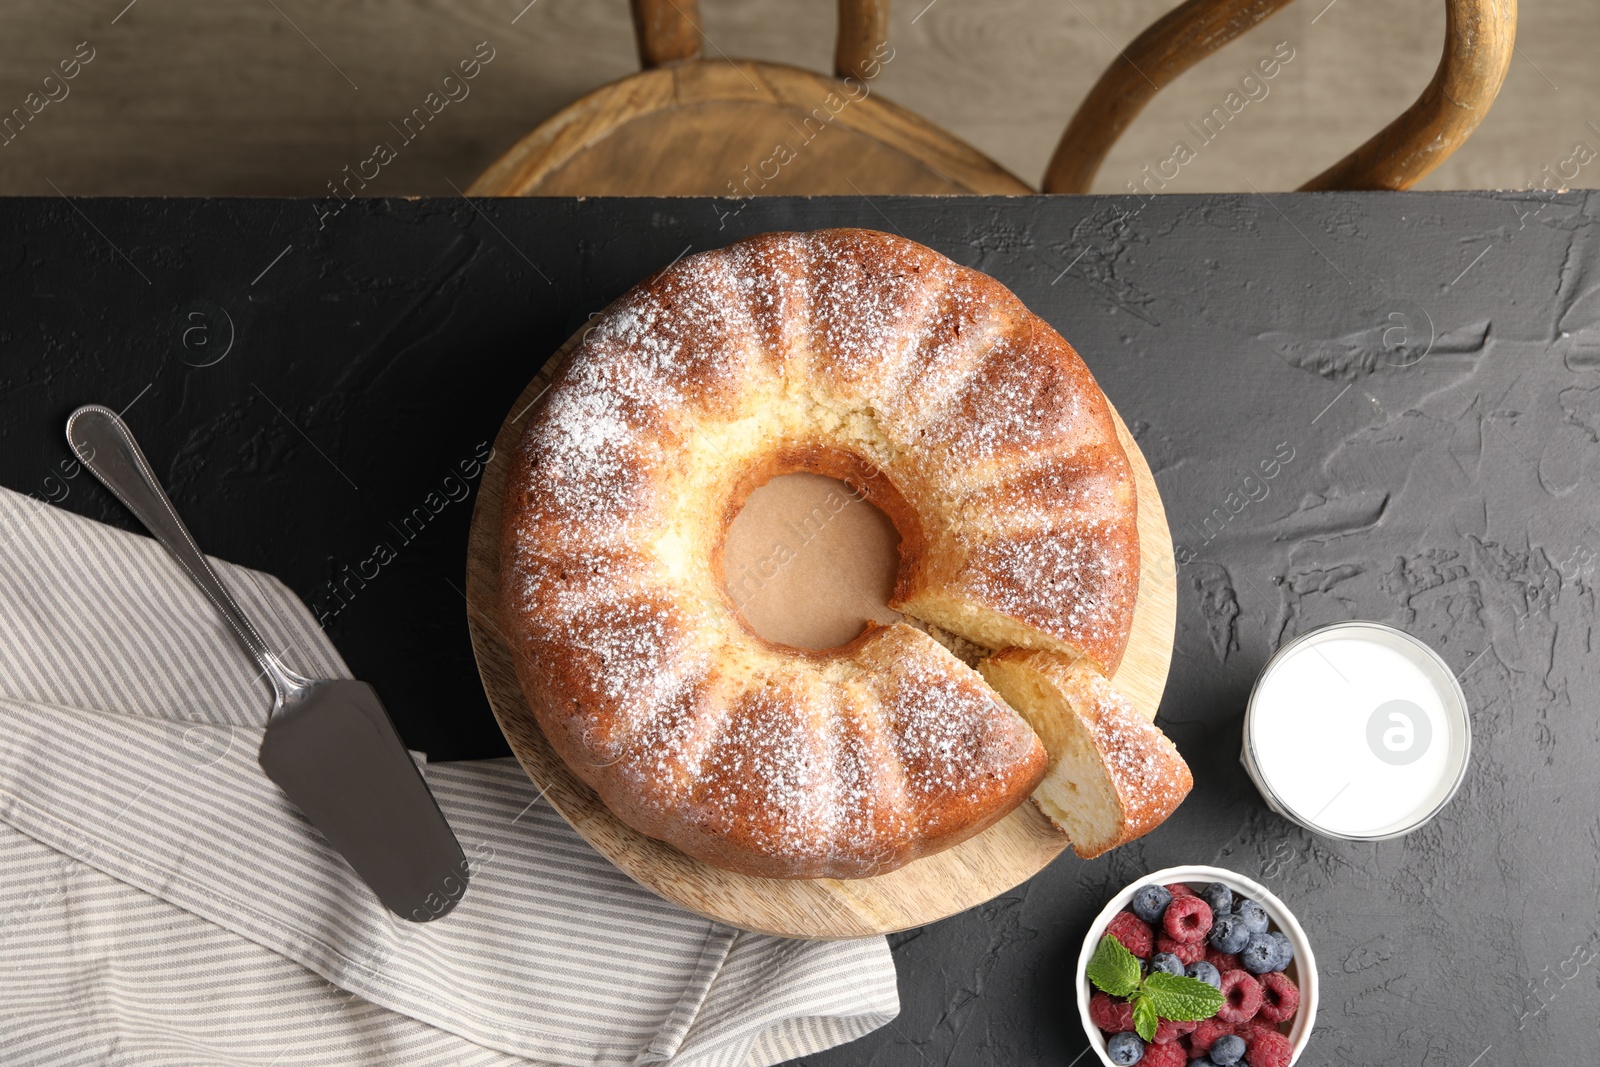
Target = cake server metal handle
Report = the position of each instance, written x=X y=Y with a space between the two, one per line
x=329 y=743
x=104 y=444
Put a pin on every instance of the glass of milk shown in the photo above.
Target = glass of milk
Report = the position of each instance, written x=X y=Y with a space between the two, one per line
x=1357 y=730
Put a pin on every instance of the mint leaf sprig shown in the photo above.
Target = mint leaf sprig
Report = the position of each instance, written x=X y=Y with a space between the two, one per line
x=1114 y=969
x=1155 y=996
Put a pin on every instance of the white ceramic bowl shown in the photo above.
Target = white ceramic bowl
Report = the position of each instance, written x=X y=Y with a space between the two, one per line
x=1303 y=971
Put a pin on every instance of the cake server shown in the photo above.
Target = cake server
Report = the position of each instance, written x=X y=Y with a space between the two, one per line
x=329 y=744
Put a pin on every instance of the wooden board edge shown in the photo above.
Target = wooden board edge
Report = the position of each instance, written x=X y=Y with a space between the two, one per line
x=1155 y=613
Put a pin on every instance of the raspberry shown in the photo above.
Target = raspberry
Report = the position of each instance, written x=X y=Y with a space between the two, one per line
x=1280 y=998
x=1187 y=951
x=1178 y=889
x=1187 y=919
x=1164 y=1056
x=1133 y=933
x=1169 y=1030
x=1253 y=1029
x=1110 y=1015
x=1223 y=961
x=1241 y=997
x=1207 y=1031
x=1270 y=1049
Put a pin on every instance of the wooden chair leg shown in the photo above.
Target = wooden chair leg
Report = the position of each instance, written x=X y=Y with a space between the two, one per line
x=668 y=31
x=863 y=30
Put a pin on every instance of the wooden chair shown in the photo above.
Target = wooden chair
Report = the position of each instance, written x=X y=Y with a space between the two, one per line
x=688 y=125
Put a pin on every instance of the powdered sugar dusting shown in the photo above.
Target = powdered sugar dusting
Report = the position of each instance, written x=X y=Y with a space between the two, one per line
x=627 y=659
x=709 y=738
x=771 y=276
x=1065 y=579
x=1022 y=399
x=766 y=779
x=967 y=322
x=1141 y=760
x=1088 y=481
x=943 y=730
x=868 y=315
x=953 y=736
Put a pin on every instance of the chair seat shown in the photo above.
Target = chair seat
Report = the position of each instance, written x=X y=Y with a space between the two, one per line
x=740 y=128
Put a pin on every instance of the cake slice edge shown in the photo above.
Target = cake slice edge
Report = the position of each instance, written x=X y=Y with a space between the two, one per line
x=1112 y=775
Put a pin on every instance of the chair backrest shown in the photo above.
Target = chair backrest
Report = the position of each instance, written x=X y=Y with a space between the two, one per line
x=668 y=31
x=1479 y=35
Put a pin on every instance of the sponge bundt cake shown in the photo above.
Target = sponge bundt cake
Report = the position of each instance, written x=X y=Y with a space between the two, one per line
x=1112 y=774
x=850 y=353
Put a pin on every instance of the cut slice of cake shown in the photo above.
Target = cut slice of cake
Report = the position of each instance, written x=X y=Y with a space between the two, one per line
x=1112 y=775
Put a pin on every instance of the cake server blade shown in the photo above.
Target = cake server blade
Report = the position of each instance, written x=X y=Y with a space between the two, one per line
x=334 y=751
x=329 y=743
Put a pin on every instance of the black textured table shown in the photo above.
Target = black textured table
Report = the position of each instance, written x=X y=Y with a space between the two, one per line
x=1425 y=367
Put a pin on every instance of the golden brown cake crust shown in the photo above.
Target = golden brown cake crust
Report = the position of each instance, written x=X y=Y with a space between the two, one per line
x=852 y=353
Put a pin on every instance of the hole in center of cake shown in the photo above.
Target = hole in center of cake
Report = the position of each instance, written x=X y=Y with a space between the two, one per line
x=808 y=561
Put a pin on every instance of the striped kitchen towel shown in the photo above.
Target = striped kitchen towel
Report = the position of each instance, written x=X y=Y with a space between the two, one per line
x=161 y=903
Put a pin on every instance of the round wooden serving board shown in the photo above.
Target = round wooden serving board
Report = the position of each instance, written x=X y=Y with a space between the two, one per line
x=925 y=890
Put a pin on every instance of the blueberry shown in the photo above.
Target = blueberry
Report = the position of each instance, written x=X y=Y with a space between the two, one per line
x=1228 y=934
x=1150 y=902
x=1285 y=949
x=1227 y=1049
x=1219 y=896
x=1205 y=972
x=1253 y=915
x=1125 y=1048
x=1166 y=961
x=1204 y=1060
x=1261 y=954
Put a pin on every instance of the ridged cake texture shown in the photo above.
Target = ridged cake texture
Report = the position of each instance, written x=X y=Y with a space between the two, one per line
x=966 y=418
